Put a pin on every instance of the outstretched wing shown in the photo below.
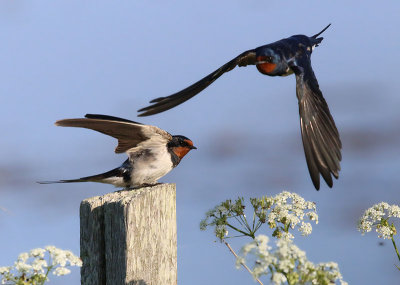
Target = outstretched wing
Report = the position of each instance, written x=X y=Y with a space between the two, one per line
x=128 y=133
x=165 y=103
x=321 y=141
x=110 y=118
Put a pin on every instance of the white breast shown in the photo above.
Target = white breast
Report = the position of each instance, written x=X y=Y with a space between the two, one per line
x=151 y=165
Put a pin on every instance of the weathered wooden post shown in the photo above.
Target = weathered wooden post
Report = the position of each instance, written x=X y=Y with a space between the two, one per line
x=129 y=237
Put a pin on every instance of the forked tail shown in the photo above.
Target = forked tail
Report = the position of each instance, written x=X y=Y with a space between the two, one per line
x=316 y=35
x=117 y=172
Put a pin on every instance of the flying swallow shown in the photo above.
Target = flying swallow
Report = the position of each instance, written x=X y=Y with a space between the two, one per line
x=321 y=141
x=152 y=152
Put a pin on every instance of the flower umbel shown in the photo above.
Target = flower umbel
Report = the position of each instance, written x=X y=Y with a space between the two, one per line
x=32 y=268
x=282 y=212
x=286 y=210
x=378 y=217
x=284 y=262
x=219 y=218
x=287 y=264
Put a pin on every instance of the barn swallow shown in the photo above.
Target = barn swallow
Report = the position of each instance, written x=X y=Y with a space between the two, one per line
x=321 y=141
x=152 y=152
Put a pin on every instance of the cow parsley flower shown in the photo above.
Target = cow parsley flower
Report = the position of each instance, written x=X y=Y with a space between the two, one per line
x=283 y=262
x=59 y=271
x=37 y=252
x=34 y=267
x=278 y=278
x=39 y=265
x=73 y=259
x=23 y=257
x=286 y=211
x=305 y=229
x=22 y=267
x=288 y=263
x=378 y=217
x=4 y=269
x=281 y=213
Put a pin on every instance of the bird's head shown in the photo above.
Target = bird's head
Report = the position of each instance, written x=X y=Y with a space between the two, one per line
x=267 y=61
x=180 y=145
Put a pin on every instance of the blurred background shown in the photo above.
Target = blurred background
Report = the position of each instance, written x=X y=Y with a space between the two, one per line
x=63 y=59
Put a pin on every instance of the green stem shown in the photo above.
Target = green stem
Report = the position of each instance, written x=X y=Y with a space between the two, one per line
x=49 y=268
x=259 y=224
x=254 y=219
x=237 y=219
x=235 y=236
x=47 y=273
x=243 y=222
x=395 y=248
x=240 y=231
x=244 y=265
x=246 y=223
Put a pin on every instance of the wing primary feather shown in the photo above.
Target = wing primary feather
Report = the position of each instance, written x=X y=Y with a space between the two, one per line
x=331 y=143
x=319 y=155
x=329 y=155
x=110 y=118
x=325 y=145
x=310 y=159
x=128 y=134
x=162 y=104
x=321 y=139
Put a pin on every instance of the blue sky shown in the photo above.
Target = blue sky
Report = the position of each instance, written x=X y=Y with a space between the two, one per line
x=63 y=59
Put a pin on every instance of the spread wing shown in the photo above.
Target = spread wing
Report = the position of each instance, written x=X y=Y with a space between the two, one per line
x=321 y=141
x=128 y=133
x=165 y=103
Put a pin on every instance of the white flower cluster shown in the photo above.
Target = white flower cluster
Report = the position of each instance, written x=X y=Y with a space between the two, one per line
x=61 y=257
x=288 y=262
x=290 y=209
x=34 y=266
x=377 y=216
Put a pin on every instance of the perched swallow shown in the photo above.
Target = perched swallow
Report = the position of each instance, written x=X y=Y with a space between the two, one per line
x=152 y=152
x=321 y=141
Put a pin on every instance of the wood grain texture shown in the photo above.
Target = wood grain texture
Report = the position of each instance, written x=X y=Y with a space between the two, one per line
x=129 y=237
x=92 y=241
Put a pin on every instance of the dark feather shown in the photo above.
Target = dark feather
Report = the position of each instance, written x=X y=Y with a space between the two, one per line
x=110 y=118
x=316 y=35
x=122 y=171
x=321 y=141
x=129 y=134
x=165 y=103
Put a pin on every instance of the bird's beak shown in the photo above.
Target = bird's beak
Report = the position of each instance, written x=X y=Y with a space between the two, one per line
x=193 y=147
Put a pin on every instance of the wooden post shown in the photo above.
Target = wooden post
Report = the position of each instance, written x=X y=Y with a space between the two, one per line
x=129 y=237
